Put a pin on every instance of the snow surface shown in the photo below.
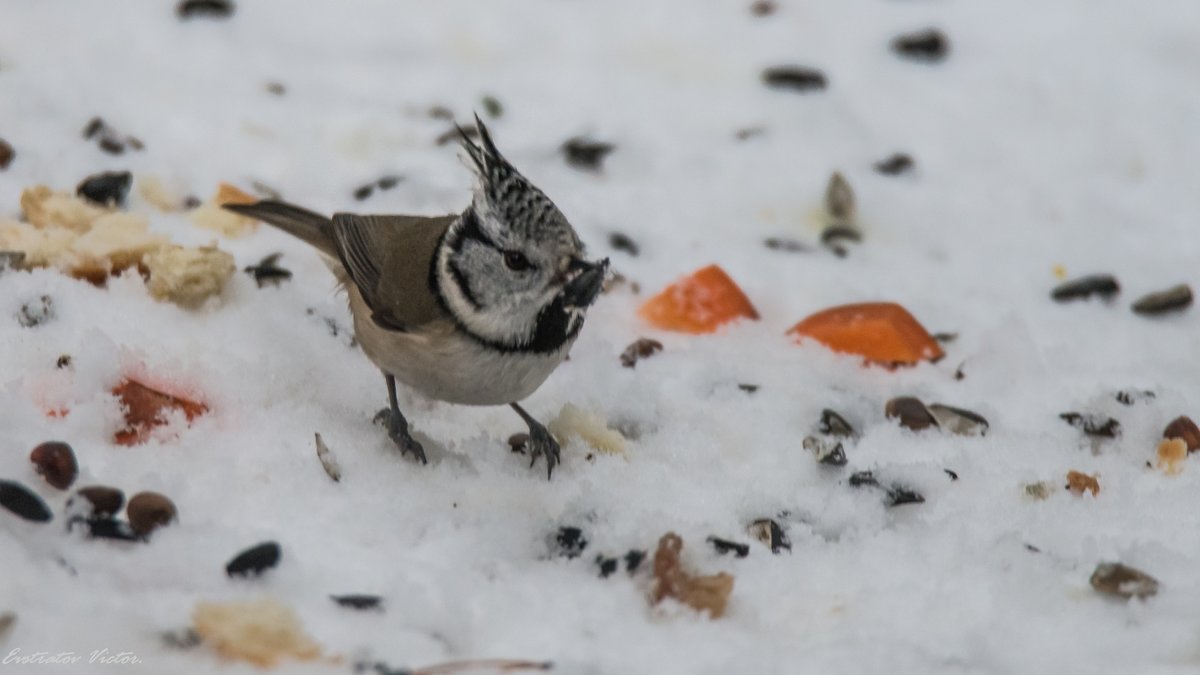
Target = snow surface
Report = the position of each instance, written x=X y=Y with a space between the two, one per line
x=1056 y=133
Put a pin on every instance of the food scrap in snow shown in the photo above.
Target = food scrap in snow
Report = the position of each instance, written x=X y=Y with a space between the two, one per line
x=895 y=164
x=1185 y=429
x=328 y=461
x=1174 y=299
x=958 y=420
x=109 y=139
x=1171 y=453
x=1097 y=426
x=702 y=593
x=771 y=534
x=586 y=154
x=796 y=78
x=106 y=189
x=881 y=332
x=833 y=424
x=22 y=502
x=590 y=427
x=254 y=560
x=262 y=632
x=188 y=276
x=910 y=412
x=1078 y=483
x=148 y=511
x=1103 y=285
x=1123 y=581
x=641 y=348
x=146 y=408
x=55 y=461
x=929 y=45
x=698 y=303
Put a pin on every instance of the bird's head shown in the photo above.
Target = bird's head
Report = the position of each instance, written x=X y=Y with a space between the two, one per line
x=511 y=269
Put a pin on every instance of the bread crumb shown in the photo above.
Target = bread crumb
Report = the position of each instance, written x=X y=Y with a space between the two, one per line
x=156 y=194
x=44 y=207
x=211 y=216
x=262 y=632
x=188 y=276
x=702 y=593
x=588 y=426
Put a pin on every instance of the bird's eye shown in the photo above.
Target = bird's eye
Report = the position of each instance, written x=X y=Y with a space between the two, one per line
x=516 y=261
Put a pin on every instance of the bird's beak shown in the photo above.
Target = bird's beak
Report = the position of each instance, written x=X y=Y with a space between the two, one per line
x=584 y=286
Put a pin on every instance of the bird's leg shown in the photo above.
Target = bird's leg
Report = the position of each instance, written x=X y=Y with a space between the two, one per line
x=397 y=426
x=540 y=442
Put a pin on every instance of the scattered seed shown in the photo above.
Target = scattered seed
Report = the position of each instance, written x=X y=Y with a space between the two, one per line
x=100 y=501
x=911 y=412
x=1131 y=396
x=641 y=348
x=724 y=546
x=747 y=133
x=36 y=312
x=633 y=560
x=7 y=619
x=958 y=421
x=64 y=361
x=181 y=639
x=570 y=542
x=492 y=106
x=1079 y=483
x=517 y=442
x=106 y=189
x=357 y=601
x=1103 y=285
x=834 y=236
x=586 y=154
x=771 y=534
x=191 y=202
x=784 y=244
x=796 y=78
x=364 y=191
x=896 y=164
x=148 y=511
x=748 y=388
x=839 y=199
x=952 y=474
x=1123 y=581
x=945 y=338
x=622 y=242
x=763 y=8
x=452 y=135
x=55 y=461
x=1173 y=299
x=928 y=45
x=104 y=528
x=255 y=560
x=94 y=126
x=111 y=145
x=268 y=272
x=206 y=9
x=11 y=260
x=328 y=461
x=276 y=88
x=607 y=566
x=833 y=424
x=6 y=154
x=1184 y=428
x=898 y=495
x=1093 y=425
x=863 y=479
x=826 y=452
x=1039 y=491
x=21 y=501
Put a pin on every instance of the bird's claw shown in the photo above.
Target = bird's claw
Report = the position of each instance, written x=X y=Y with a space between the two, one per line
x=397 y=428
x=542 y=444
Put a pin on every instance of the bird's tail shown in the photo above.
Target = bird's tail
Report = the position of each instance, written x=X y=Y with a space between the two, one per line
x=300 y=223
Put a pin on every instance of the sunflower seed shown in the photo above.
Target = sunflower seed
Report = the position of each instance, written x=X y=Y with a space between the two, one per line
x=254 y=560
x=622 y=242
x=771 y=534
x=826 y=452
x=328 y=461
x=22 y=502
x=896 y=164
x=1093 y=425
x=356 y=601
x=796 y=78
x=268 y=272
x=1173 y=299
x=833 y=424
x=911 y=412
x=208 y=9
x=928 y=45
x=1103 y=285
x=958 y=421
x=1123 y=581
x=724 y=546
x=586 y=154
x=6 y=154
x=106 y=189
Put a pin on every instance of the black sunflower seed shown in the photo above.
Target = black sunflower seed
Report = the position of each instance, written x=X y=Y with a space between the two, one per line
x=358 y=601
x=834 y=424
x=795 y=78
x=930 y=45
x=1103 y=285
x=22 y=502
x=586 y=154
x=570 y=541
x=254 y=560
x=209 y=9
x=268 y=272
x=724 y=546
x=894 y=165
x=622 y=242
x=106 y=189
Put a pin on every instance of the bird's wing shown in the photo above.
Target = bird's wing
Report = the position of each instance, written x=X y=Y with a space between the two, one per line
x=389 y=259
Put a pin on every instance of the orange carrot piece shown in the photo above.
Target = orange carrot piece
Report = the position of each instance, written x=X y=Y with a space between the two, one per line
x=231 y=194
x=699 y=303
x=882 y=332
x=145 y=408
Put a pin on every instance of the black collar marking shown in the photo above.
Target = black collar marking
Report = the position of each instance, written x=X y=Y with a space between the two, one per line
x=553 y=323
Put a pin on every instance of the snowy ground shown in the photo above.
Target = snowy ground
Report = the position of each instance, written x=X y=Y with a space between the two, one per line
x=1058 y=133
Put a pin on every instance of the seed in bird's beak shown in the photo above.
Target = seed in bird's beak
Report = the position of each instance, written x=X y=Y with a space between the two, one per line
x=582 y=290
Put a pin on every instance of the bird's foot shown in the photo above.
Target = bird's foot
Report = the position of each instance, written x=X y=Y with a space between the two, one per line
x=540 y=443
x=397 y=428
